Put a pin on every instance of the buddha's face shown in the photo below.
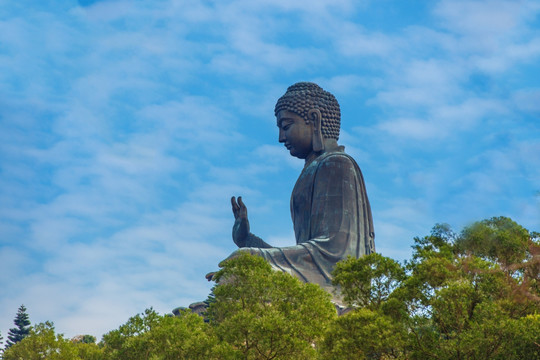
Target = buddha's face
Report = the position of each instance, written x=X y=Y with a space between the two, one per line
x=295 y=134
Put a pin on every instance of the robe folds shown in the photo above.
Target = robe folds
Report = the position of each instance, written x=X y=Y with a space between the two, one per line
x=332 y=219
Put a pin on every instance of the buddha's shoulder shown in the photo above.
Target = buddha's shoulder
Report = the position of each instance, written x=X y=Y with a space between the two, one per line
x=336 y=158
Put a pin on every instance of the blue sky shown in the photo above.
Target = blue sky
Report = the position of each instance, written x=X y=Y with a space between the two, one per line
x=126 y=126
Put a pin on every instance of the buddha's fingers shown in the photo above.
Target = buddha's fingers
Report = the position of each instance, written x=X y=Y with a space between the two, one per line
x=243 y=208
x=235 y=207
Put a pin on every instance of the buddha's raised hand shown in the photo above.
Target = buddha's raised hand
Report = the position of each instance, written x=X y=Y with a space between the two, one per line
x=240 y=231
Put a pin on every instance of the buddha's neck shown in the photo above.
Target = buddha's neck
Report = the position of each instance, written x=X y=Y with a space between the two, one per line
x=329 y=145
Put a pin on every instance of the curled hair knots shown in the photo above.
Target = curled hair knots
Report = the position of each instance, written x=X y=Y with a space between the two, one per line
x=303 y=96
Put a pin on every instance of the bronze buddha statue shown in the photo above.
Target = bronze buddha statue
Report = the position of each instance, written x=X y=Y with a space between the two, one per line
x=329 y=206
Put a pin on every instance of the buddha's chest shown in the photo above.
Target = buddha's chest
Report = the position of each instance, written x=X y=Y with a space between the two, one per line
x=301 y=203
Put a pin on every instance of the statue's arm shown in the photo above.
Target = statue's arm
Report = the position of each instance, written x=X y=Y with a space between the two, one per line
x=242 y=237
x=256 y=242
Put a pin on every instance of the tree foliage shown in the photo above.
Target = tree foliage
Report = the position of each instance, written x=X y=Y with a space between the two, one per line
x=374 y=330
x=468 y=295
x=368 y=281
x=21 y=329
x=43 y=343
x=472 y=295
x=264 y=314
x=85 y=339
x=364 y=334
x=498 y=239
x=153 y=336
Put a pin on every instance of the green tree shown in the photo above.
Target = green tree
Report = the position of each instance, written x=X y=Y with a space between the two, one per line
x=506 y=243
x=374 y=329
x=498 y=239
x=462 y=292
x=21 y=329
x=42 y=343
x=87 y=351
x=364 y=334
x=84 y=339
x=367 y=282
x=153 y=336
x=264 y=314
x=472 y=295
x=87 y=348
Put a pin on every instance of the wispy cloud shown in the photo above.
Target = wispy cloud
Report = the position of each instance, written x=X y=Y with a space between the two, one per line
x=125 y=128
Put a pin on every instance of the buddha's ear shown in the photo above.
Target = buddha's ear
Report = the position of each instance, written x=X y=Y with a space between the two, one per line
x=314 y=115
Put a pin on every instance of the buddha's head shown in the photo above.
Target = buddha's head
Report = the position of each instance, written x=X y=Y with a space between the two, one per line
x=307 y=116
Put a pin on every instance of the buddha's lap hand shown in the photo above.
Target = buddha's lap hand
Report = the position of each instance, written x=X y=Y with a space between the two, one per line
x=240 y=231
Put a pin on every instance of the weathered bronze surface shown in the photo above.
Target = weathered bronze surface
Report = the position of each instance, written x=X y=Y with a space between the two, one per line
x=329 y=205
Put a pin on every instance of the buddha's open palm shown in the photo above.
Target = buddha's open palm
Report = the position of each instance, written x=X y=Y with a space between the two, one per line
x=240 y=232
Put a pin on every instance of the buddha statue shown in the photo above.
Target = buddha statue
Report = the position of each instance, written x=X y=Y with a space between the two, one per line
x=330 y=210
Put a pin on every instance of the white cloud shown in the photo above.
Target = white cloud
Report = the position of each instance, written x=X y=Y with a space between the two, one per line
x=486 y=19
x=527 y=100
x=413 y=128
x=282 y=240
x=345 y=84
x=109 y=10
x=388 y=236
x=126 y=127
x=353 y=41
x=311 y=6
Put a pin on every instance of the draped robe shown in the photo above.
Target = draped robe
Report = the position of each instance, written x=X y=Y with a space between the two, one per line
x=332 y=219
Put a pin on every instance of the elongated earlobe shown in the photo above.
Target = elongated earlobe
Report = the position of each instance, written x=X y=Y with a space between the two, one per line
x=315 y=116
